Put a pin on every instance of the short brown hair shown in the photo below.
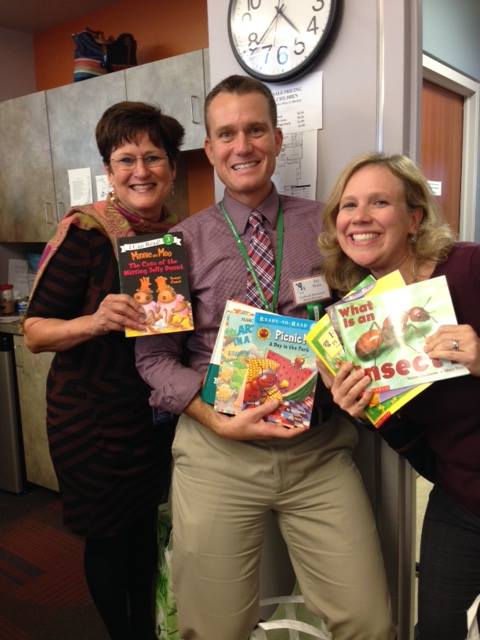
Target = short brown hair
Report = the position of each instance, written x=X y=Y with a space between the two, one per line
x=125 y=121
x=242 y=85
x=434 y=238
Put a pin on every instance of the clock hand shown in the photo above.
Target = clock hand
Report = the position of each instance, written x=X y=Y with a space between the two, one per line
x=281 y=12
x=278 y=10
x=275 y=32
x=274 y=19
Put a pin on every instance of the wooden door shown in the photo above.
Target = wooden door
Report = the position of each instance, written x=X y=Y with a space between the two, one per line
x=441 y=146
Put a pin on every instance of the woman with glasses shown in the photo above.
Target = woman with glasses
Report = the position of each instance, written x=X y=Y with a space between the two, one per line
x=112 y=463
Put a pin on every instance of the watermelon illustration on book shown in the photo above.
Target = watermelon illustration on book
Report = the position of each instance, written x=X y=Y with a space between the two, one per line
x=296 y=380
x=265 y=357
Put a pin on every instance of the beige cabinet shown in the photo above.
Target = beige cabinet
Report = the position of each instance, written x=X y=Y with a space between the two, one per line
x=177 y=85
x=73 y=113
x=47 y=133
x=27 y=194
x=32 y=371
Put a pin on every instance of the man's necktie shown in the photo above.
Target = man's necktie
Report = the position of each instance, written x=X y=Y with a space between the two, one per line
x=260 y=251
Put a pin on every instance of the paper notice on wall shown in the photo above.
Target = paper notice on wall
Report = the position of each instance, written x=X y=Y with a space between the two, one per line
x=80 y=185
x=296 y=170
x=103 y=187
x=435 y=187
x=299 y=103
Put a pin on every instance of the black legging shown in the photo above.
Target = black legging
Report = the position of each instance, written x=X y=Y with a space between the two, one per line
x=449 y=579
x=120 y=573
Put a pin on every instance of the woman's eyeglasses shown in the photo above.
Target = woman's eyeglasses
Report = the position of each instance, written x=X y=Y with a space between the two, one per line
x=127 y=163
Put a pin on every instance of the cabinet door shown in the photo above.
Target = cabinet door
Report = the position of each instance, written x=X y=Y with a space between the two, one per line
x=73 y=113
x=26 y=180
x=177 y=85
x=32 y=371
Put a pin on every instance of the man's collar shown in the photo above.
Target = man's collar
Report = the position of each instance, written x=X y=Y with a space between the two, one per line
x=239 y=212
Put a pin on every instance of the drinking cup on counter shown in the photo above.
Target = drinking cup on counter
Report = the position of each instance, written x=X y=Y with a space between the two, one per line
x=22 y=304
x=7 y=304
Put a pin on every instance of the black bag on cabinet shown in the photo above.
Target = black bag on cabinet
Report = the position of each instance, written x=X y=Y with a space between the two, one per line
x=96 y=55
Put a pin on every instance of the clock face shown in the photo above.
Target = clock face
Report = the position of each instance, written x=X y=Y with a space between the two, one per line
x=279 y=39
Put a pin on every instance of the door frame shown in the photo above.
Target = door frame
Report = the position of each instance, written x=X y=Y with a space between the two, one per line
x=449 y=78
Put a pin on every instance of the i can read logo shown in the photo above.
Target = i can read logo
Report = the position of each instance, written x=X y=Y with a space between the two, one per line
x=263 y=333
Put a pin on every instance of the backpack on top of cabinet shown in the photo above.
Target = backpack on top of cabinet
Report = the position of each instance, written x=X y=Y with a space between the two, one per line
x=96 y=55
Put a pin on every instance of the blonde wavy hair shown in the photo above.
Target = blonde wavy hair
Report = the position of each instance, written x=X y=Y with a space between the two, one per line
x=434 y=238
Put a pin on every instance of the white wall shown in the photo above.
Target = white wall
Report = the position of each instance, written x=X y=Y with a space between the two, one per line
x=17 y=69
x=452 y=35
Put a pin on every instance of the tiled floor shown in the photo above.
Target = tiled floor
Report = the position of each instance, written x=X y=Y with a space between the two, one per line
x=43 y=595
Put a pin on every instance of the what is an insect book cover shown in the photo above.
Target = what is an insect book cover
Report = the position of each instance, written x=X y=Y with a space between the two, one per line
x=385 y=334
x=325 y=342
x=154 y=271
x=264 y=356
x=370 y=286
x=324 y=338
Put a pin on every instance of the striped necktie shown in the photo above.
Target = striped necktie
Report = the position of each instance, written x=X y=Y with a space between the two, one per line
x=260 y=251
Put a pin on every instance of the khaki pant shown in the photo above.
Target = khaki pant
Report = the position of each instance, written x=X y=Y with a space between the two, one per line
x=222 y=491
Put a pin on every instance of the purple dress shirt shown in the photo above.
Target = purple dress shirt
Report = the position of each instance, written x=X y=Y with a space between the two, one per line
x=174 y=364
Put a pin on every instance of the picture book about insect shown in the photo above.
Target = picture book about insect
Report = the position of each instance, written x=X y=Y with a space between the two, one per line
x=264 y=356
x=324 y=340
x=385 y=334
x=154 y=271
x=369 y=286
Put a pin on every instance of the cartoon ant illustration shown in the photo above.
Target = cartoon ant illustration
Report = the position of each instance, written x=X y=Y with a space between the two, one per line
x=172 y=307
x=371 y=343
x=416 y=315
x=144 y=296
x=377 y=338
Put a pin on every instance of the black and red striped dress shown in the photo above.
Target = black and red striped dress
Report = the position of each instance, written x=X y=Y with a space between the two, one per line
x=112 y=464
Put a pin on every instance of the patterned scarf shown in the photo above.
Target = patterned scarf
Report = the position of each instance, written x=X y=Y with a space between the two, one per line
x=111 y=218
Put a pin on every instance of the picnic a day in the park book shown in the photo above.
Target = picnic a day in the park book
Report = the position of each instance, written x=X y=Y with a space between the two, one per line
x=325 y=342
x=385 y=334
x=263 y=356
x=154 y=271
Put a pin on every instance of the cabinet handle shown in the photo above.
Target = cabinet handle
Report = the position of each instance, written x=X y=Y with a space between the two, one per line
x=60 y=210
x=196 y=117
x=48 y=210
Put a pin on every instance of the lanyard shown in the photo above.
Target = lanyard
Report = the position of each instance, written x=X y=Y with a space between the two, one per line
x=248 y=262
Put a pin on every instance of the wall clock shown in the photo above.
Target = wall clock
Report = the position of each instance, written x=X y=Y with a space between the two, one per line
x=276 y=40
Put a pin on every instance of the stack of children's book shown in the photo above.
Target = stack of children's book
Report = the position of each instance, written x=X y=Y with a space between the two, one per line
x=381 y=326
x=260 y=356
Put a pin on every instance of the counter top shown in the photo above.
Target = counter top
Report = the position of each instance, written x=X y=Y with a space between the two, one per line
x=11 y=324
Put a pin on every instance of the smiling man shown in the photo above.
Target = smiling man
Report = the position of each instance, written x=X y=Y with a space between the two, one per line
x=231 y=471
